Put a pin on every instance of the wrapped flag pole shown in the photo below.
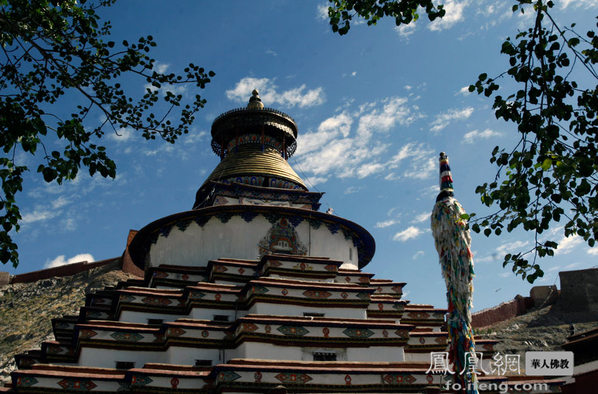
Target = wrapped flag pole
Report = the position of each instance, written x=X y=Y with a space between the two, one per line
x=453 y=241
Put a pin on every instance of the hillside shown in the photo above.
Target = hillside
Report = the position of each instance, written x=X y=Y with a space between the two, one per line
x=26 y=309
x=540 y=329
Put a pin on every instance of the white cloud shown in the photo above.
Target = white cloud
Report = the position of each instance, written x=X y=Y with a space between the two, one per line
x=409 y=150
x=387 y=223
x=568 y=244
x=464 y=91
x=352 y=189
x=163 y=148
x=418 y=254
x=410 y=232
x=60 y=202
x=315 y=180
x=331 y=157
x=368 y=169
x=487 y=9
x=511 y=247
x=61 y=260
x=327 y=130
x=485 y=259
x=493 y=14
x=194 y=137
x=472 y=136
x=39 y=215
x=270 y=95
x=579 y=3
x=422 y=217
x=454 y=14
x=404 y=31
x=572 y=265
x=322 y=11
x=161 y=67
x=421 y=168
x=69 y=224
x=123 y=134
x=394 y=111
x=444 y=119
x=295 y=96
x=339 y=148
x=593 y=251
x=430 y=191
x=422 y=163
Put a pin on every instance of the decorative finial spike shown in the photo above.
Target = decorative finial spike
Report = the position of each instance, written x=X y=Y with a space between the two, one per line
x=446 y=178
x=255 y=102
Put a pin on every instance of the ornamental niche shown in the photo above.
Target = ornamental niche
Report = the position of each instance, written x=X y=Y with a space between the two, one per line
x=281 y=238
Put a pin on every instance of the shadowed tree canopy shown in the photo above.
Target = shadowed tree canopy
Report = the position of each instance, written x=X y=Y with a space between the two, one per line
x=56 y=53
x=551 y=175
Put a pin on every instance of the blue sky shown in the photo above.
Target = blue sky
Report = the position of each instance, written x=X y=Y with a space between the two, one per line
x=374 y=109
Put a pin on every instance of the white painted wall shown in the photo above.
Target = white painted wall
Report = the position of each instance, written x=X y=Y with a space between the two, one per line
x=265 y=308
x=187 y=355
x=107 y=358
x=208 y=314
x=238 y=239
x=267 y=351
x=196 y=313
x=142 y=317
x=417 y=357
x=376 y=353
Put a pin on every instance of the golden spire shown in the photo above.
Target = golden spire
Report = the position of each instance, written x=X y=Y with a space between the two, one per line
x=254 y=101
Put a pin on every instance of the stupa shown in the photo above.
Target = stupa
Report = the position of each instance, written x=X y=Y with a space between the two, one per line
x=253 y=290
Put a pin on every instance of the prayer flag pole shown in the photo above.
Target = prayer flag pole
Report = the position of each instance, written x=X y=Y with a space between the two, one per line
x=453 y=241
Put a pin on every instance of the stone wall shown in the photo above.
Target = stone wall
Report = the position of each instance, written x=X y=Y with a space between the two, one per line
x=544 y=295
x=579 y=291
x=60 y=271
x=507 y=310
x=578 y=295
x=4 y=278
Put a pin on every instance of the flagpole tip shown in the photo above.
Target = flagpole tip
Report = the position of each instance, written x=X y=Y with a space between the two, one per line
x=446 y=178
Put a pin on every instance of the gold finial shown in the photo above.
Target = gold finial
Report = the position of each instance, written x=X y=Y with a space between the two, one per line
x=255 y=102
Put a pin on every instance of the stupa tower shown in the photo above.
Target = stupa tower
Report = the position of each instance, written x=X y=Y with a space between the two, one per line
x=252 y=204
x=253 y=290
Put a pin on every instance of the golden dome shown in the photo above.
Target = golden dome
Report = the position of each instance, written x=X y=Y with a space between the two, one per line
x=252 y=161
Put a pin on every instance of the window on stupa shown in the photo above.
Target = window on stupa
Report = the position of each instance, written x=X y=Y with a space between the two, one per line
x=125 y=364
x=220 y=318
x=324 y=356
x=312 y=314
x=203 y=363
x=155 y=322
x=282 y=246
